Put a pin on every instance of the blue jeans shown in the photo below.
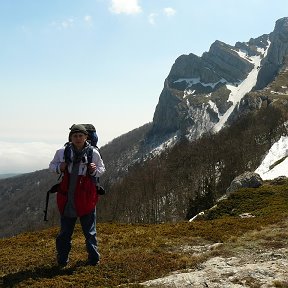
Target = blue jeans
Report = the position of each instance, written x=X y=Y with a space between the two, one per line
x=63 y=240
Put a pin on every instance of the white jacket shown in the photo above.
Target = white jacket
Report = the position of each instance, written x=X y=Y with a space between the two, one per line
x=54 y=165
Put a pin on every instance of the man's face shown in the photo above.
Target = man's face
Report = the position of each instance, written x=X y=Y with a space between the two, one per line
x=78 y=140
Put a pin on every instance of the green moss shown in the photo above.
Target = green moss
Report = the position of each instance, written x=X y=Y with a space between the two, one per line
x=263 y=201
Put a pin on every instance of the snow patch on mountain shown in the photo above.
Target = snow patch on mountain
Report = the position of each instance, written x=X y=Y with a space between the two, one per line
x=201 y=119
x=165 y=145
x=213 y=106
x=238 y=91
x=192 y=81
x=275 y=162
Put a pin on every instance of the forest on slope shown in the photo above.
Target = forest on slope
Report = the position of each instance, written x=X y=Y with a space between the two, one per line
x=191 y=176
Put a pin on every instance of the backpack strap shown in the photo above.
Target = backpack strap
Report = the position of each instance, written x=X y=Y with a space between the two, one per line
x=89 y=154
x=68 y=152
x=96 y=180
x=98 y=149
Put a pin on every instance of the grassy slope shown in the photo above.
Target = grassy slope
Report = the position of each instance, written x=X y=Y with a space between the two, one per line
x=134 y=253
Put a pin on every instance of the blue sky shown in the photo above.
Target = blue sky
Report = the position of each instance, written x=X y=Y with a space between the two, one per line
x=102 y=62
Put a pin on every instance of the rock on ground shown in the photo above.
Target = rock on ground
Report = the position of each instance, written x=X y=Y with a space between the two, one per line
x=250 y=269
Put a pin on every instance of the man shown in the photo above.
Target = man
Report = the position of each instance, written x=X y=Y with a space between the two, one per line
x=77 y=194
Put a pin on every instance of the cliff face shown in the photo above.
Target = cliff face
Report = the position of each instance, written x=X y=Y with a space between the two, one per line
x=276 y=55
x=200 y=93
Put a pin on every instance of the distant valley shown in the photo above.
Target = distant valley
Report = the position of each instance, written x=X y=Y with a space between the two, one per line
x=8 y=175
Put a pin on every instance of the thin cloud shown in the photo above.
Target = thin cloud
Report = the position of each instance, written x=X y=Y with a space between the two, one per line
x=63 y=24
x=25 y=157
x=151 y=18
x=73 y=22
x=88 y=20
x=169 y=11
x=125 y=6
x=68 y=23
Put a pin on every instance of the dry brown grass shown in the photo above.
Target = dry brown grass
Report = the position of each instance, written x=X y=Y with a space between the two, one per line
x=135 y=253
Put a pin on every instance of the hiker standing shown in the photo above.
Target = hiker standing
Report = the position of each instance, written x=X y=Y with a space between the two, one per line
x=77 y=193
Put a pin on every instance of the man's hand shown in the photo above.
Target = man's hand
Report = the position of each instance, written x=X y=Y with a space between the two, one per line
x=63 y=166
x=92 y=167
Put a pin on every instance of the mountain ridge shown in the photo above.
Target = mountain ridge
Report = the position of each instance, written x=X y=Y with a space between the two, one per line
x=192 y=77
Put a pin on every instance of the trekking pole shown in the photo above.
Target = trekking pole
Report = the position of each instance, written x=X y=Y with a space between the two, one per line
x=53 y=189
x=46 y=206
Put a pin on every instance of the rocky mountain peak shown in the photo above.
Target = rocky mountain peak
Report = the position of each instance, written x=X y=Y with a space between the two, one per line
x=200 y=93
x=281 y=26
x=276 y=55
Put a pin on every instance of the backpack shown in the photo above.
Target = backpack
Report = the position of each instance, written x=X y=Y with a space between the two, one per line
x=92 y=140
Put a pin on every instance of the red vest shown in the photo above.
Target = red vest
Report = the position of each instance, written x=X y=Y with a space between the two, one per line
x=85 y=196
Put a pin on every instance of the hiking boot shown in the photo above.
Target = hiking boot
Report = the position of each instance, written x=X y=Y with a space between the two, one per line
x=62 y=265
x=92 y=263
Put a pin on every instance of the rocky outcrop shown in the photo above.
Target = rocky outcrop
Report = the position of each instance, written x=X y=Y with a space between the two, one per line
x=265 y=268
x=226 y=61
x=281 y=180
x=245 y=180
x=167 y=118
x=249 y=103
x=261 y=42
x=276 y=55
x=222 y=61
